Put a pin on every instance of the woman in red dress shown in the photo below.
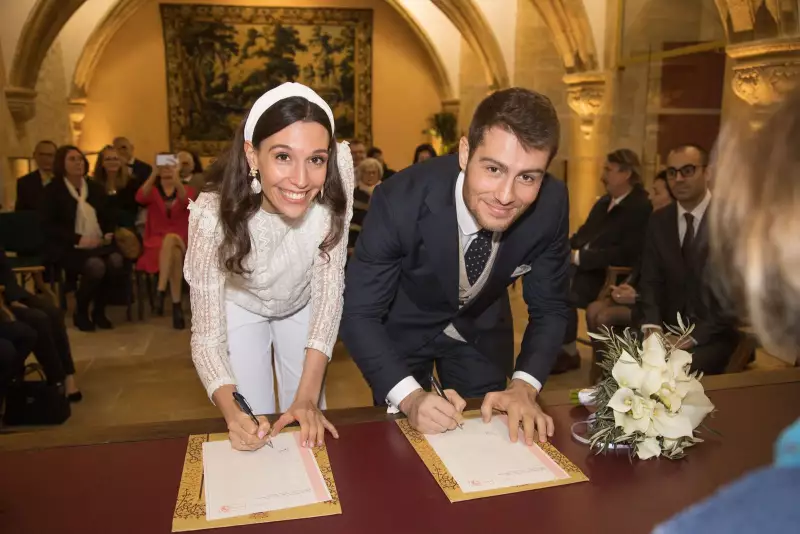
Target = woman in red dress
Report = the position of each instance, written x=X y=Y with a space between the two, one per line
x=166 y=234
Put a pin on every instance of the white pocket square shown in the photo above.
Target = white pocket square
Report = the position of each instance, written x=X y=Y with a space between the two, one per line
x=519 y=271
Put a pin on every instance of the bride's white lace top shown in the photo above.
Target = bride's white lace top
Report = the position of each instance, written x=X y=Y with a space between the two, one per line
x=287 y=271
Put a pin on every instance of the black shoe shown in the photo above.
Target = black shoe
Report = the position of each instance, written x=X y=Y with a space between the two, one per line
x=177 y=317
x=566 y=362
x=82 y=322
x=159 y=306
x=101 y=321
x=75 y=397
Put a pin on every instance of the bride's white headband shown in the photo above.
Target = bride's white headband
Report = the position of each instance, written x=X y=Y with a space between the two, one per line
x=286 y=90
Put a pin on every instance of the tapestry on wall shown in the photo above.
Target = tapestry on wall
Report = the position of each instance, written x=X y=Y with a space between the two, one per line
x=220 y=59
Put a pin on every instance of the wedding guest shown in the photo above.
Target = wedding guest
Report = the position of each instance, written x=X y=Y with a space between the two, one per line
x=612 y=235
x=424 y=152
x=674 y=275
x=166 y=234
x=660 y=195
x=120 y=186
x=31 y=186
x=756 y=252
x=359 y=151
x=191 y=169
x=136 y=167
x=265 y=265
x=52 y=349
x=78 y=231
x=377 y=153
x=368 y=176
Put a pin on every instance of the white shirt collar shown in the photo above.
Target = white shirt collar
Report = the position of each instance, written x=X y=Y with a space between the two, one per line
x=616 y=201
x=466 y=222
x=699 y=211
x=131 y=161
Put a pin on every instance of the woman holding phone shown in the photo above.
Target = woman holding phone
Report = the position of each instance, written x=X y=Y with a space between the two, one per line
x=265 y=265
x=166 y=232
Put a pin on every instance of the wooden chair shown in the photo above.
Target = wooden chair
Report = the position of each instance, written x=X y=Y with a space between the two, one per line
x=744 y=350
x=36 y=274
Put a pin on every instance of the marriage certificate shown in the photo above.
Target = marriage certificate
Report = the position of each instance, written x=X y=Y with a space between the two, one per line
x=479 y=460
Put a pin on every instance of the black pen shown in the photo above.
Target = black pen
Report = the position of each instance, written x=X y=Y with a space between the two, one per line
x=437 y=387
x=246 y=409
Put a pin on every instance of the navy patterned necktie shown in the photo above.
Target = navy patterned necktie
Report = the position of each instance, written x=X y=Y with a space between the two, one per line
x=477 y=255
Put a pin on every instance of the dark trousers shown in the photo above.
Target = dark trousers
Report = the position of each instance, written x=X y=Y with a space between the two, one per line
x=52 y=348
x=22 y=338
x=712 y=358
x=10 y=365
x=459 y=366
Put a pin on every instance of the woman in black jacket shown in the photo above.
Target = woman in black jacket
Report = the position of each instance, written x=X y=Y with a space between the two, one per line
x=78 y=227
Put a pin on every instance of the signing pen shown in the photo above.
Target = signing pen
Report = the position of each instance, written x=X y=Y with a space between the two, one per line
x=240 y=400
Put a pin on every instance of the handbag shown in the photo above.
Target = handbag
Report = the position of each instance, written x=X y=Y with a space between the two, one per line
x=35 y=402
x=128 y=244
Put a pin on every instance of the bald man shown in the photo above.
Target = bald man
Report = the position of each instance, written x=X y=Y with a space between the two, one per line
x=138 y=168
x=31 y=186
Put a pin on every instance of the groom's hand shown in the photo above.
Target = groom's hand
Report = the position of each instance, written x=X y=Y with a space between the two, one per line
x=431 y=414
x=519 y=402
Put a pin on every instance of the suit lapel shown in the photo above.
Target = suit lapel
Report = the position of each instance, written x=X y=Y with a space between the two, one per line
x=439 y=230
x=673 y=237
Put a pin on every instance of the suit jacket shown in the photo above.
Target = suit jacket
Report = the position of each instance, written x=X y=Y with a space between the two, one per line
x=58 y=216
x=13 y=291
x=402 y=282
x=29 y=192
x=141 y=170
x=609 y=238
x=668 y=284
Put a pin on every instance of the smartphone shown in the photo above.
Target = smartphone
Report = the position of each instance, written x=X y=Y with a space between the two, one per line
x=163 y=160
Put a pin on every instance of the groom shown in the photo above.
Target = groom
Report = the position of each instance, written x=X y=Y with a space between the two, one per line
x=428 y=281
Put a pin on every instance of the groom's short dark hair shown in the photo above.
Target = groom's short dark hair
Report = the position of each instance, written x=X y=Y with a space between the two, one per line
x=529 y=115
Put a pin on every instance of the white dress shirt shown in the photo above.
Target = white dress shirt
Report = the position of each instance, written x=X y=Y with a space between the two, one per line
x=468 y=229
x=698 y=213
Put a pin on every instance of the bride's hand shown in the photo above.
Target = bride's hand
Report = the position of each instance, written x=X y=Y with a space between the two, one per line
x=312 y=423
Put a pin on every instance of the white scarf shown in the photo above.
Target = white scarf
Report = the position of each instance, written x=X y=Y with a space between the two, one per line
x=85 y=216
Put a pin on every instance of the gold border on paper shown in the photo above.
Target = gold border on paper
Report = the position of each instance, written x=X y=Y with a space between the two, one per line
x=190 y=509
x=451 y=488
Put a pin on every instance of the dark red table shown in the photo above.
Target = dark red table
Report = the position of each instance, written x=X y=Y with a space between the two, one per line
x=131 y=487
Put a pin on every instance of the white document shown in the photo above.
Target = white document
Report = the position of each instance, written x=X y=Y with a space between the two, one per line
x=245 y=482
x=482 y=457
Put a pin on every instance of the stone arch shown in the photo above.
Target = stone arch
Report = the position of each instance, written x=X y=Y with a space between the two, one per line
x=119 y=14
x=572 y=33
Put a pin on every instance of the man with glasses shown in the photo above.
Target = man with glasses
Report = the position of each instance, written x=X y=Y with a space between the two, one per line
x=673 y=277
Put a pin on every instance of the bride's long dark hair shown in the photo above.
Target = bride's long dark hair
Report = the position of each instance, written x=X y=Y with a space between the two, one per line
x=229 y=177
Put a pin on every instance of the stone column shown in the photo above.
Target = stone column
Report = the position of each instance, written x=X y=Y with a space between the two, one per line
x=586 y=96
x=77 y=112
x=22 y=105
x=764 y=72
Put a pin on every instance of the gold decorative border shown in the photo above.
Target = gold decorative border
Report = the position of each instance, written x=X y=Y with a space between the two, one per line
x=451 y=488
x=190 y=508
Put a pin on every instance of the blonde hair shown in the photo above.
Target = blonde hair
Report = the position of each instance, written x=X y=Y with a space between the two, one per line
x=755 y=223
x=366 y=165
x=101 y=176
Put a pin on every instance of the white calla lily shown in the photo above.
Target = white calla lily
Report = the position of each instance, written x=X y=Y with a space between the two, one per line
x=642 y=408
x=622 y=400
x=631 y=425
x=654 y=354
x=652 y=380
x=679 y=361
x=671 y=425
x=669 y=397
x=648 y=448
x=627 y=372
x=696 y=405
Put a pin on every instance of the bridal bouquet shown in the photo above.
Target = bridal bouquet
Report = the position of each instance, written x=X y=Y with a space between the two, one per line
x=647 y=400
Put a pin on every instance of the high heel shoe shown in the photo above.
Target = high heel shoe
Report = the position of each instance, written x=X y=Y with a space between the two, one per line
x=75 y=397
x=178 y=322
x=82 y=322
x=159 y=305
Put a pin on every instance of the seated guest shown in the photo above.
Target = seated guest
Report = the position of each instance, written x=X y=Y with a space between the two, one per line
x=756 y=253
x=673 y=277
x=660 y=195
x=136 y=167
x=11 y=366
x=423 y=152
x=611 y=236
x=191 y=170
x=368 y=176
x=358 y=151
x=166 y=234
x=31 y=186
x=120 y=186
x=52 y=348
x=428 y=283
x=78 y=229
x=377 y=153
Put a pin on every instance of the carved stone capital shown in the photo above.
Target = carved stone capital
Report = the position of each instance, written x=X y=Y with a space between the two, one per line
x=77 y=112
x=585 y=94
x=765 y=71
x=21 y=104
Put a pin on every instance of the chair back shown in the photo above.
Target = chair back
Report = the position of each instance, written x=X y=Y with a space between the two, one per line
x=22 y=232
